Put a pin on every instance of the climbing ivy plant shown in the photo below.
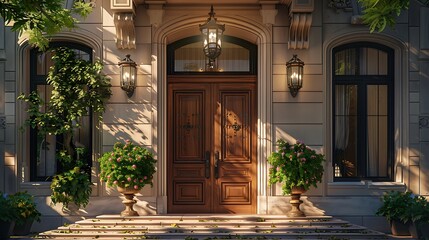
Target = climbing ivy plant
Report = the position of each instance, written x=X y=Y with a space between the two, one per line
x=77 y=87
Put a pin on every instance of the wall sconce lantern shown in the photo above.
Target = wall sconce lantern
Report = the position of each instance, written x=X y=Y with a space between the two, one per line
x=295 y=72
x=212 y=34
x=128 y=74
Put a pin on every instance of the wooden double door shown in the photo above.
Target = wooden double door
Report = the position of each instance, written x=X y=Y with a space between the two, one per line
x=212 y=146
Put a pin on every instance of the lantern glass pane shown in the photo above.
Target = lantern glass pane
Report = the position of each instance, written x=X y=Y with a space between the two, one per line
x=212 y=36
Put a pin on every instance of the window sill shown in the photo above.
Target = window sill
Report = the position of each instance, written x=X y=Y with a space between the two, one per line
x=36 y=188
x=363 y=188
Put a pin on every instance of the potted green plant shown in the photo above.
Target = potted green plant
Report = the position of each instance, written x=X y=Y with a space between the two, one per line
x=297 y=168
x=419 y=228
x=128 y=167
x=396 y=208
x=8 y=216
x=72 y=186
x=27 y=212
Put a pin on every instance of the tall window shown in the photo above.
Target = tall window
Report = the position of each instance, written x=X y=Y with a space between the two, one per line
x=363 y=106
x=43 y=163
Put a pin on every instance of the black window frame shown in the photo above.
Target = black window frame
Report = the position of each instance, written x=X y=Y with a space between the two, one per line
x=362 y=81
x=37 y=80
x=198 y=38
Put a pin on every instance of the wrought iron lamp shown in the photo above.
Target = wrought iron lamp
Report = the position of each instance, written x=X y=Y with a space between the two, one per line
x=128 y=74
x=212 y=33
x=294 y=72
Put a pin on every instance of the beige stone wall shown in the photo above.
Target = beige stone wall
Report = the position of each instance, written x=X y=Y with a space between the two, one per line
x=306 y=117
x=128 y=117
x=8 y=127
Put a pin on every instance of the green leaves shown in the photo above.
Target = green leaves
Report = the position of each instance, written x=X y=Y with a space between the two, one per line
x=404 y=207
x=25 y=206
x=381 y=13
x=77 y=87
x=295 y=165
x=127 y=165
x=71 y=186
x=41 y=18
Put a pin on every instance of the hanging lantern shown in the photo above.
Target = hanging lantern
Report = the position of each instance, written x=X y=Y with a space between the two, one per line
x=212 y=34
x=128 y=74
x=294 y=72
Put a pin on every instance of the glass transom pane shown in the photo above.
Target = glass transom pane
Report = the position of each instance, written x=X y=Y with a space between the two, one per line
x=191 y=58
x=361 y=61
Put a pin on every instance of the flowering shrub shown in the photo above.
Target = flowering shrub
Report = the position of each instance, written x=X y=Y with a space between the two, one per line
x=295 y=165
x=127 y=165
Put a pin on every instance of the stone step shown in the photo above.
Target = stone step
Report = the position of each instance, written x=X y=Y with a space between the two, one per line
x=192 y=227
x=207 y=229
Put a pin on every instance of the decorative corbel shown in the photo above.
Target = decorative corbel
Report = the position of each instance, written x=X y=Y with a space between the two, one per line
x=300 y=12
x=125 y=30
x=123 y=17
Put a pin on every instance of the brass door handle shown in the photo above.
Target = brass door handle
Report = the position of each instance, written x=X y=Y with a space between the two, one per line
x=207 y=164
x=216 y=164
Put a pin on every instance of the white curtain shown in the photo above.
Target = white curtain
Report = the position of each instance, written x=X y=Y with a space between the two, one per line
x=342 y=110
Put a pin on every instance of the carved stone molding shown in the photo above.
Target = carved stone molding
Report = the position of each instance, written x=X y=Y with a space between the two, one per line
x=2 y=122
x=348 y=6
x=300 y=24
x=122 y=5
x=424 y=122
x=125 y=30
x=123 y=17
x=345 y=5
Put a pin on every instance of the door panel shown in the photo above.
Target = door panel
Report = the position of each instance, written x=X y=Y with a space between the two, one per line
x=188 y=186
x=233 y=138
x=211 y=148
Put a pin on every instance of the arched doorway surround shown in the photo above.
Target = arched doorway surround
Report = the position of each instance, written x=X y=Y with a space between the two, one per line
x=237 y=26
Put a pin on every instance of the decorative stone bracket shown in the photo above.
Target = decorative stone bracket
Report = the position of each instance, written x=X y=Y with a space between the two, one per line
x=124 y=16
x=125 y=30
x=300 y=12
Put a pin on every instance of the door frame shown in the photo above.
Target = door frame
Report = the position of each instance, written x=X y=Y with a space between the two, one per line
x=258 y=33
x=220 y=80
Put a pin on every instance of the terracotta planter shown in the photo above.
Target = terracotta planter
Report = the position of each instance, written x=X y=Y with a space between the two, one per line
x=128 y=201
x=295 y=201
x=399 y=228
x=6 y=229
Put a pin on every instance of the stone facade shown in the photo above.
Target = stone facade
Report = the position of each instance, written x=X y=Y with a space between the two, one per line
x=142 y=117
